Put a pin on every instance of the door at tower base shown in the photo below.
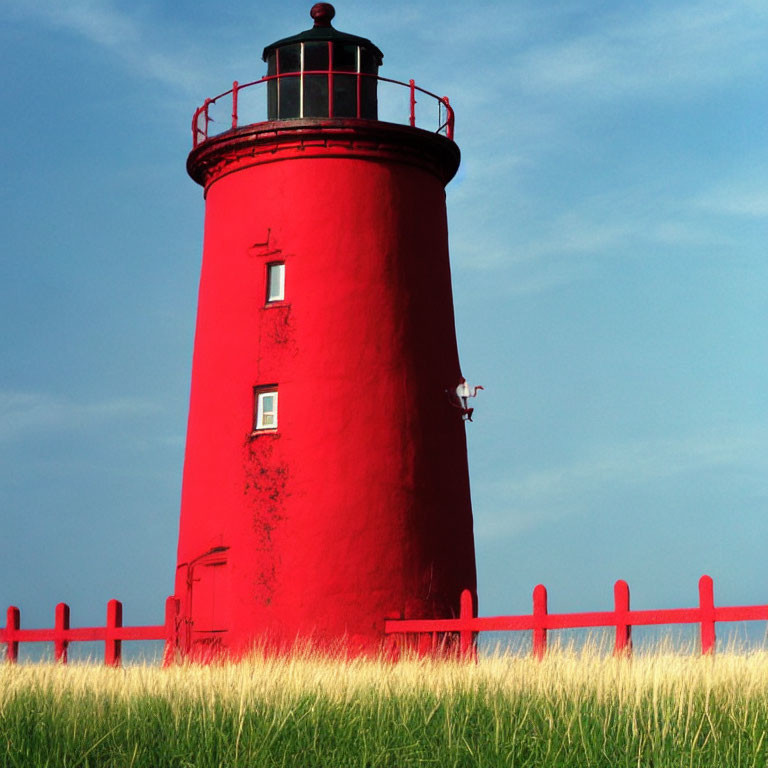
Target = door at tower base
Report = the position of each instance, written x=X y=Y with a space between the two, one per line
x=205 y=603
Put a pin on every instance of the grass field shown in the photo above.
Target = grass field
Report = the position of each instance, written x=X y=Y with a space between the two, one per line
x=573 y=709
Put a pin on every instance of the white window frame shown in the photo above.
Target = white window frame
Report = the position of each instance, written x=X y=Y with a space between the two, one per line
x=261 y=395
x=275 y=281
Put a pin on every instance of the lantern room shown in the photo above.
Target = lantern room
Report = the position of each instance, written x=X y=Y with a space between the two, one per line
x=322 y=72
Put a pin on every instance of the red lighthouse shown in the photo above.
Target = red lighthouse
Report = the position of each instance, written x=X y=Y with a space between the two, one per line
x=325 y=478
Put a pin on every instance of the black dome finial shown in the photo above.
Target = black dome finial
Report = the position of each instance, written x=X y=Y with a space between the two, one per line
x=322 y=13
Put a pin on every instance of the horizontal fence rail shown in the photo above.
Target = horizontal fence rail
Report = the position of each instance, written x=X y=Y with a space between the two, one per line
x=113 y=634
x=430 y=632
x=234 y=108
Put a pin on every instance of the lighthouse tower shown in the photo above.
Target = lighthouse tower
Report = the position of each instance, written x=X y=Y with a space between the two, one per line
x=325 y=479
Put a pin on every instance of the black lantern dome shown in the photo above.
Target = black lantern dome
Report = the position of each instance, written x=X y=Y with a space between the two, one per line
x=322 y=72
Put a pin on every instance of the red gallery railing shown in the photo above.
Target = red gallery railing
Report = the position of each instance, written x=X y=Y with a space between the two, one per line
x=432 y=632
x=112 y=634
x=231 y=120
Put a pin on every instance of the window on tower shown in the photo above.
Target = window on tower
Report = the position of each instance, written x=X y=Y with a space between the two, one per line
x=265 y=415
x=276 y=281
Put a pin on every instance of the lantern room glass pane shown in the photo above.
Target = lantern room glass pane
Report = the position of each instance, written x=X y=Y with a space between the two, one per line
x=289 y=58
x=272 y=87
x=315 y=95
x=345 y=95
x=368 y=61
x=289 y=97
x=344 y=57
x=316 y=57
x=368 y=101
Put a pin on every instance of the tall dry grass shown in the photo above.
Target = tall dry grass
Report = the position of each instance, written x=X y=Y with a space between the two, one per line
x=576 y=708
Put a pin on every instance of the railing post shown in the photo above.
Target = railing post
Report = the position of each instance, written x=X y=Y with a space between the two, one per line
x=12 y=626
x=194 y=127
x=412 y=84
x=171 y=651
x=466 y=614
x=449 y=118
x=623 y=646
x=61 y=625
x=359 y=92
x=707 y=614
x=113 y=648
x=234 y=104
x=539 y=619
x=208 y=118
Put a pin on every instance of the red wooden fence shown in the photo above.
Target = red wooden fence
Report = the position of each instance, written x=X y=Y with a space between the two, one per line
x=431 y=632
x=112 y=635
x=540 y=622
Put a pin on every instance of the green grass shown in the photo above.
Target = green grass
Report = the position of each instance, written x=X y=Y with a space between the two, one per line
x=573 y=709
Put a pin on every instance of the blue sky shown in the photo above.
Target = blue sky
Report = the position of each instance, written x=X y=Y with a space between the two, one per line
x=608 y=243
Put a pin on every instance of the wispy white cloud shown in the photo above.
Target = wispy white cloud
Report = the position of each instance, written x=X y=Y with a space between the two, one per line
x=541 y=496
x=101 y=23
x=523 y=106
x=547 y=276
x=528 y=98
x=528 y=268
x=25 y=413
x=98 y=22
x=651 y=49
x=540 y=249
x=629 y=464
x=744 y=198
x=564 y=247
x=574 y=233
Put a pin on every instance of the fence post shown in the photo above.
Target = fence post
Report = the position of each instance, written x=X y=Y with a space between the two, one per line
x=61 y=625
x=113 y=648
x=466 y=612
x=423 y=644
x=623 y=646
x=412 y=84
x=707 y=614
x=539 y=621
x=12 y=625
